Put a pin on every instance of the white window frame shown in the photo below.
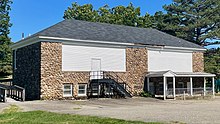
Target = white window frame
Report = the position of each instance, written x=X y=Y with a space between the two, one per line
x=85 y=94
x=71 y=89
x=15 y=59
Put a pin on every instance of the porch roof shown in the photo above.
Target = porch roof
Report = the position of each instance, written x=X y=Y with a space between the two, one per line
x=170 y=73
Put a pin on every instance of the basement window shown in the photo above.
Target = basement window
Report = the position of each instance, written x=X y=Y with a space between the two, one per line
x=82 y=89
x=67 y=90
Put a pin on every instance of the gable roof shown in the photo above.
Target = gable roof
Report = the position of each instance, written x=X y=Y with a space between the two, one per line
x=83 y=30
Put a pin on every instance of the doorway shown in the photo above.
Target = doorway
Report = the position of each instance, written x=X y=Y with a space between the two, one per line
x=96 y=72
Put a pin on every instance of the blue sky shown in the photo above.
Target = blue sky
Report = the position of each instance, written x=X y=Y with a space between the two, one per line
x=31 y=16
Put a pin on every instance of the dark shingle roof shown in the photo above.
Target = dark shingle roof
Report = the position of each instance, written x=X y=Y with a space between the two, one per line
x=84 y=30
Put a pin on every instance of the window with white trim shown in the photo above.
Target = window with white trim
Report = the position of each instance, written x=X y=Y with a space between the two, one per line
x=82 y=89
x=67 y=90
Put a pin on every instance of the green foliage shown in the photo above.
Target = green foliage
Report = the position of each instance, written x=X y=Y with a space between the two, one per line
x=120 y=15
x=146 y=94
x=41 y=117
x=5 y=41
x=212 y=61
x=197 y=21
x=194 y=20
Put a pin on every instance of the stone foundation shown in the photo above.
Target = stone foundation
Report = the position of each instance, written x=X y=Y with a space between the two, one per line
x=75 y=78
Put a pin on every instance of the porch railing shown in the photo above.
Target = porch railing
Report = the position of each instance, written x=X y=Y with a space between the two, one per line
x=179 y=91
x=186 y=91
x=96 y=75
x=17 y=93
x=3 y=94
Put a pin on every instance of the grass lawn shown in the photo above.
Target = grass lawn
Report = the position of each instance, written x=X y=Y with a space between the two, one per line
x=11 y=115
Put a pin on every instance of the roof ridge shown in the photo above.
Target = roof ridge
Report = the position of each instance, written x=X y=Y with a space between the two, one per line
x=99 y=31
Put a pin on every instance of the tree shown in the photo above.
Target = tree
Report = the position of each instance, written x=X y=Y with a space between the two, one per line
x=5 y=51
x=197 y=21
x=84 y=12
x=164 y=22
x=212 y=61
x=120 y=15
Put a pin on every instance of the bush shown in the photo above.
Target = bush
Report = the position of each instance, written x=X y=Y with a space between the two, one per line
x=145 y=94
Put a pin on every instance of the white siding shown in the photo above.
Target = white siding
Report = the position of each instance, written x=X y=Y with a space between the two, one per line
x=79 y=58
x=169 y=60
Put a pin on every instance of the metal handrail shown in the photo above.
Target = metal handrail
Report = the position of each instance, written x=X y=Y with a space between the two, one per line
x=107 y=74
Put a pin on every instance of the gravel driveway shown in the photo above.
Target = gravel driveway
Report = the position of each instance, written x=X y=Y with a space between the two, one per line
x=142 y=109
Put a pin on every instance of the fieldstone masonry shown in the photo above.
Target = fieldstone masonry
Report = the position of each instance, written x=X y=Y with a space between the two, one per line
x=52 y=77
x=198 y=62
x=136 y=69
x=40 y=70
x=51 y=70
x=27 y=73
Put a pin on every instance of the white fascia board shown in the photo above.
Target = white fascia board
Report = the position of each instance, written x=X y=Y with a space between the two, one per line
x=186 y=48
x=78 y=40
x=157 y=75
x=32 y=40
x=28 y=41
x=169 y=74
x=175 y=49
x=25 y=42
x=154 y=75
x=210 y=75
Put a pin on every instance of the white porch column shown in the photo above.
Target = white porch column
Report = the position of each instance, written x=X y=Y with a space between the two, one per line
x=191 y=87
x=213 y=86
x=164 y=88
x=174 y=87
x=204 y=86
x=148 y=84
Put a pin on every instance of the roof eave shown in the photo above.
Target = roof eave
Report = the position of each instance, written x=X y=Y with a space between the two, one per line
x=176 y=48
x=35 y=39
x=25 y=42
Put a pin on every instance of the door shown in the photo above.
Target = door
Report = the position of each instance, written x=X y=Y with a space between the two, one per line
x=96 y=69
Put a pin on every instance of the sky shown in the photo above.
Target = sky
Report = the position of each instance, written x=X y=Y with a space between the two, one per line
x=31 y=16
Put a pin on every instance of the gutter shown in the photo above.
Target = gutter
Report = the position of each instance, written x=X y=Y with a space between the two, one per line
x=34 y=39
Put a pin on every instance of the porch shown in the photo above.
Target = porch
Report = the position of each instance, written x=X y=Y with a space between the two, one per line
x=168 y=84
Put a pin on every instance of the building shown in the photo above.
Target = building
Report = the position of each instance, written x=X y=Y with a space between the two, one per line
x=66 y=59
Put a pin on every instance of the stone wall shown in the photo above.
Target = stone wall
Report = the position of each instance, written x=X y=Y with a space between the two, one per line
x=136 y=69
x=39 y=70
x=27 y=73
x=75 y=78
x=198 y=62
x=52 y=77
x=51 y=74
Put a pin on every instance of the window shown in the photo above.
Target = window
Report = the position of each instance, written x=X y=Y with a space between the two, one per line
x=15 y=57
x=67 y=90
x=82 y=89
